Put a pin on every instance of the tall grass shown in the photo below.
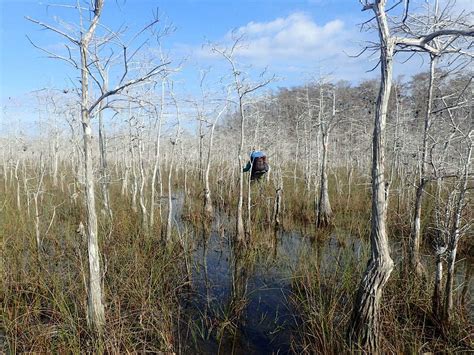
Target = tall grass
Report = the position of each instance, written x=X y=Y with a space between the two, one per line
x=44 y=299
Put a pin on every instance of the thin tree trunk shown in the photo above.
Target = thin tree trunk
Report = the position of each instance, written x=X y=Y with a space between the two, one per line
x=170 y=175
x=141 y=195
x=25 y=188
x=103 y=166
x=240 y=221
x=208 y=209
x=324 y=207
x=55 y=159
x=157 y=158
x=277 y=205
x=96 y=314
x=133 y=167
x=37 y=212
x=440 y=248
x=414 y=251
x=454 y=239
x=18 y=189
x=124 y=189
x=436 y=299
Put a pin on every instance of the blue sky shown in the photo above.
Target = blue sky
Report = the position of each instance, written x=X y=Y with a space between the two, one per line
x=294 y=39
x=24 y=68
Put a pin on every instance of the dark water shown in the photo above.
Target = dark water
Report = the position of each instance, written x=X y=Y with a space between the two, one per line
x=258 y=284
x=239 y=301
x=243 y=297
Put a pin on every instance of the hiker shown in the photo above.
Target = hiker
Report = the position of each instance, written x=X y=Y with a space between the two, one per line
x=258 y=164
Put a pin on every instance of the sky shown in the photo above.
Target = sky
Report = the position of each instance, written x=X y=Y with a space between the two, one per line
x=294 y=39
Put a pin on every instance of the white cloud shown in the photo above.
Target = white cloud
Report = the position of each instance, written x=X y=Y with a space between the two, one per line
x=295 y=46
x=294 y=37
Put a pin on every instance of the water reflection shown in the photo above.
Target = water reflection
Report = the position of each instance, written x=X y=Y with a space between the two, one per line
x=239 y=299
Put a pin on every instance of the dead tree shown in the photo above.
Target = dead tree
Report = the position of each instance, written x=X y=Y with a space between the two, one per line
x=440 y=42
x=173 y=142
x=242 y=89
x=208 y=209
x=36 y=194
x=326 y=124
x=457 y=229
x=89 y=106
x=364 y=327
x=156 y=173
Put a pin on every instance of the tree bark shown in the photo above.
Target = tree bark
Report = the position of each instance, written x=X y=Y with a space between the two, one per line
x=364 y=327
x=156 y=166
x=240 y=237
x=324 y=206
x=208 y=209
x=414 y=250
x=454 y=238
x=104 y=175
x=95 y=306
x=103 y=166
x=96 y=313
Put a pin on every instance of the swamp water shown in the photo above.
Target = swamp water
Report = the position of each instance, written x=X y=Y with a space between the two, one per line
x=239 y=302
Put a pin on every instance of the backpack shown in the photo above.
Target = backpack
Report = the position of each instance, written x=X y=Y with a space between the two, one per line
x=260 y=165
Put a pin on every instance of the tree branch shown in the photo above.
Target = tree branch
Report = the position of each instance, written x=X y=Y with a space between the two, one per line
x=151 y=73
x=51 y=28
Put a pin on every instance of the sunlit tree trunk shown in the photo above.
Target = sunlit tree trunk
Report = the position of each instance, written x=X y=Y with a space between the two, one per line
x=141 y=190
x=156 y=165
x=96 y=314
x=104 y=175
x=170 y=173
x=132 y=162
x=414 y=250
x=208 y=209
x=456 y=235
x=364 y=326
x=324 y=211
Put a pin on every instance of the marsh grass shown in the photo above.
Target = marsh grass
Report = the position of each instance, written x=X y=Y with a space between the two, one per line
x=44 y=296
x=148 y=286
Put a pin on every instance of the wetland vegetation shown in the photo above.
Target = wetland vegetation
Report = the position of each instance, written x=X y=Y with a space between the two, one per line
x=128 y=224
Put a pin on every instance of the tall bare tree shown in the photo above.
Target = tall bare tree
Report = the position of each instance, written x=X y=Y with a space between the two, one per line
x=364 y=327
x=444 y=39
x=242 y=89
x=89 y=107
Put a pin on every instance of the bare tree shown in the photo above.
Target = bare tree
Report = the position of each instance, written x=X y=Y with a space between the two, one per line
x=89 y=107
x=326 y=123
x=242 y=89
x=208 y=209
x=457 y=231
x=444 y=42
x=364 y=327
x=174 y=141
x=158 y=112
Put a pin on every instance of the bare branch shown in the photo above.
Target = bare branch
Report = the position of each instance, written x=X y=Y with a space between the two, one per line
x=151 y=73
x=51 y=28
x=54 y=55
